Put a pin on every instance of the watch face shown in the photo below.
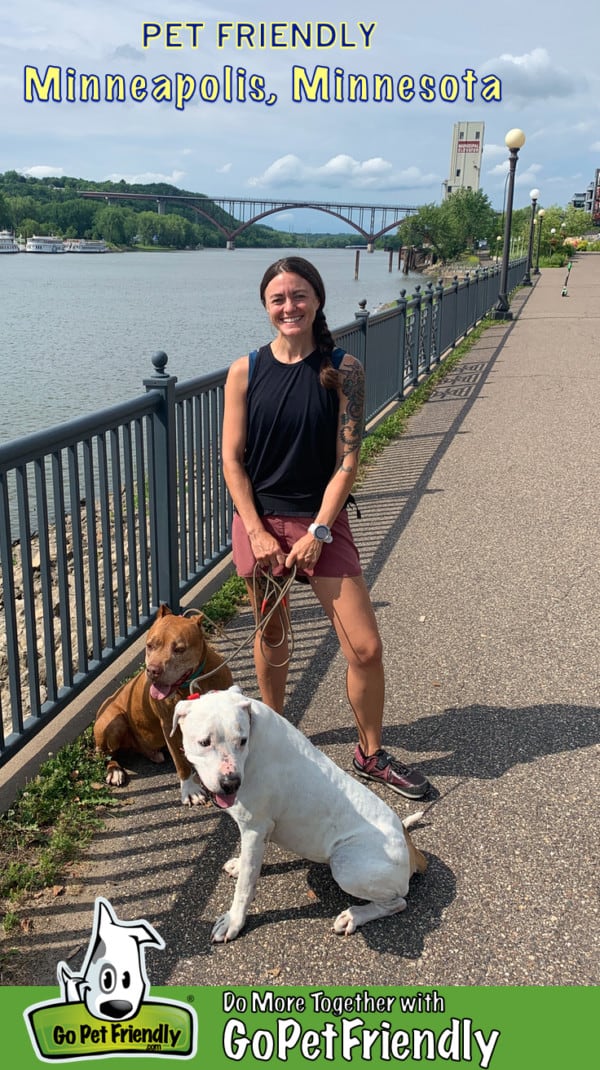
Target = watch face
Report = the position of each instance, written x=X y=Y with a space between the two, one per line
x=321 y=531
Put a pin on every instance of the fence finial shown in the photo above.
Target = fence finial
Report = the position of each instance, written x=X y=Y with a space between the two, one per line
x=160 y=361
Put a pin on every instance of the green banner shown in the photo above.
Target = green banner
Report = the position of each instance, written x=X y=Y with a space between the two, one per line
x=502 y=1028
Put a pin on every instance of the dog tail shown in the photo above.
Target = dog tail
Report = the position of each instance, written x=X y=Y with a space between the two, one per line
x=412 y=819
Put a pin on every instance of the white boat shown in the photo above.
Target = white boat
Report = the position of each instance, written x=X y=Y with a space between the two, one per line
x=85 y=245
x=8 y=243
x=44 y=244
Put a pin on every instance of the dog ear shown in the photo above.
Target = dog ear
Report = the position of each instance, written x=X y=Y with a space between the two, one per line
x=235 y=689
x=180 y=712
x=164 y=611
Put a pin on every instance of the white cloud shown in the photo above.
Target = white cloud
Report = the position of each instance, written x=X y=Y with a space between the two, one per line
x=174 y=179
x=342 y=172
x=224 y=170
x=534 y=76
x=42 y=171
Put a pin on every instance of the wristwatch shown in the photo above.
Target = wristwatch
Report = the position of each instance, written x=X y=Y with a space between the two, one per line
x=321 y=532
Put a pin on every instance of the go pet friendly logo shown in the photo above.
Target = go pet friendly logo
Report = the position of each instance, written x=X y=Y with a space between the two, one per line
x=105 y=1010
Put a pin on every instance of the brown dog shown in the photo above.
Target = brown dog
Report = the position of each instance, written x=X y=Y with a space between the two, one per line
x=139 y=715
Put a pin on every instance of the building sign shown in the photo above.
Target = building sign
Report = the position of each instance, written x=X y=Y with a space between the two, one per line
x=468 y=146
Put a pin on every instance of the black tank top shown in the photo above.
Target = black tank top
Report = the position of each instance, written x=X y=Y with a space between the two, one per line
x=291 y=433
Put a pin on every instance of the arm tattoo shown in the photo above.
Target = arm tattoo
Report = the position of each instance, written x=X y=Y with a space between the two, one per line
x=352 y=420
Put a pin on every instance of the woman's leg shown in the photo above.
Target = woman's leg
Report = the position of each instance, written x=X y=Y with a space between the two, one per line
x=347 y=603
x=271 y=650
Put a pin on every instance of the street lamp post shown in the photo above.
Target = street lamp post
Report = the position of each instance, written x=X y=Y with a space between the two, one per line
x=540 y=220
x=514 y=140
x=534 y=194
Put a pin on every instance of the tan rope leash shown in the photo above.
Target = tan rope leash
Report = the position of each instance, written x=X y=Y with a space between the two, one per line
x=269 y=594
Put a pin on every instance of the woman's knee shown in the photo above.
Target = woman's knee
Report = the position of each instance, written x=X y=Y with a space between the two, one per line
x=365 y=652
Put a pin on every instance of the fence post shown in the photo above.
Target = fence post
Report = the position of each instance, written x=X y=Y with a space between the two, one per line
x=427 y=325
x=439 y=307
x=415 y=334
x=363 y=316
x=402 y=342
x=162 y=488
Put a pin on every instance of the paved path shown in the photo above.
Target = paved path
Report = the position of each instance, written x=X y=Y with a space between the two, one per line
x=480 y=544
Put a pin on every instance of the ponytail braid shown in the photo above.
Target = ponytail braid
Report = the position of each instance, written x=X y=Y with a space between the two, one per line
x=325 y=345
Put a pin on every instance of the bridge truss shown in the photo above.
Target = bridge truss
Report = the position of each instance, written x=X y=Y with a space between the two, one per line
x=371 y=221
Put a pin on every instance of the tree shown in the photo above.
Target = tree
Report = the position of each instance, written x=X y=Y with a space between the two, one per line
x=5 y=213
x=453 y=227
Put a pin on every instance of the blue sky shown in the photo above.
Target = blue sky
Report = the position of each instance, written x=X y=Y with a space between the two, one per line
x=546 y=59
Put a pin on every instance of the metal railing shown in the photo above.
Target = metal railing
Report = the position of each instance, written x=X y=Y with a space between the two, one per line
x=105 y=517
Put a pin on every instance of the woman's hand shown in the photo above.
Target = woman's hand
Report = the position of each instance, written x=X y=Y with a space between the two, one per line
x=266 y=549
x=304 y=553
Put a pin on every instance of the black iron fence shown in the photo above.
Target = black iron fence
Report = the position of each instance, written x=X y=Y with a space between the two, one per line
x=105 y=517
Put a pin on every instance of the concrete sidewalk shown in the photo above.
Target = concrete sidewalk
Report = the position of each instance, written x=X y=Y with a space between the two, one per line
x=479 y=537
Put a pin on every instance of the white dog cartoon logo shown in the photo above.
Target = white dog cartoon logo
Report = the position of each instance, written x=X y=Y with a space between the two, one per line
x=113 y=982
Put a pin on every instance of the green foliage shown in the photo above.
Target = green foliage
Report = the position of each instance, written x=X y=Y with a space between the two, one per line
x=52 y=818
x=455 y=226
x=224 y=603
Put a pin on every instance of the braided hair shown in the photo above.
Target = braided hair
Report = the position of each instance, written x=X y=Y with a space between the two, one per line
x=297 y=265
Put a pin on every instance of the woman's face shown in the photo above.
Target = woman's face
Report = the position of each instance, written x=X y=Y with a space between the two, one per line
x=291 y=304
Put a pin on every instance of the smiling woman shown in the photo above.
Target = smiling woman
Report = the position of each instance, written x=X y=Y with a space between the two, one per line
x=292 y=429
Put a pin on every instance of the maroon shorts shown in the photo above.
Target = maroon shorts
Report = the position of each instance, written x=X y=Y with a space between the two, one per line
x=337 y=558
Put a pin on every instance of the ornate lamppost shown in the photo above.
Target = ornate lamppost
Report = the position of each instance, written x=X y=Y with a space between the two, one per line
x=540 y=220
x=514 y=140
x=534 y=194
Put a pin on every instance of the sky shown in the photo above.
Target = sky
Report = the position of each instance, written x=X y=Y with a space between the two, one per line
x=505 y=65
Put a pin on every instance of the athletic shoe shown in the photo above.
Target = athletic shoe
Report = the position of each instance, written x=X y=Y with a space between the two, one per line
x=386 y=770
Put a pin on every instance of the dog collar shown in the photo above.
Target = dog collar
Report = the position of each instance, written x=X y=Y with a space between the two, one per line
x=189 y=679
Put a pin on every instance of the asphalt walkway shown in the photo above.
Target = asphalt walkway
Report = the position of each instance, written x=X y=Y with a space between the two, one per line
x=479 y=538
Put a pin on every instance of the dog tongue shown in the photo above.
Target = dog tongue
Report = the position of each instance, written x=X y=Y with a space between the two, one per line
x=159 y=692
x=224 y=801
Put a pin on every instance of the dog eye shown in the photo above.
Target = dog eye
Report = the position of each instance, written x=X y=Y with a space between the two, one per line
x=126 y=979
x=243 y=741
x=179 y=648
x=108 y=979
x=204 y=742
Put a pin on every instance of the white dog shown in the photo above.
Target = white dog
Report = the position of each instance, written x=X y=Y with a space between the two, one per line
x=277 y=785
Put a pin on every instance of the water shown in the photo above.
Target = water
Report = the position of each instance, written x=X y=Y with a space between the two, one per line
x=78 y=332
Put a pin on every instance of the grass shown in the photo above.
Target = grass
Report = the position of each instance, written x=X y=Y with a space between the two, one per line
x=54 y=818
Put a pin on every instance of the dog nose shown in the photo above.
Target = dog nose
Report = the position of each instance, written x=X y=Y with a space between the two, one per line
x=230 y=783
x=116 y=1008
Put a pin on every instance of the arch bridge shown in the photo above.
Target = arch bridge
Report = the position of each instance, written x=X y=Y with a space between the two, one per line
x=371 y=221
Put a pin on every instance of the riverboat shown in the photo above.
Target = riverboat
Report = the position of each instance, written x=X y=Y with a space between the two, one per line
x=85 y=245
x=44 y=244
x=8 y=243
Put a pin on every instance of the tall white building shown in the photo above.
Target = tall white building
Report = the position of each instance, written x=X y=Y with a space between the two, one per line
x=465 y=159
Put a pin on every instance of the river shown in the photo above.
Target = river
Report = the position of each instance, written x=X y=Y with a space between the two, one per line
x=78 y=331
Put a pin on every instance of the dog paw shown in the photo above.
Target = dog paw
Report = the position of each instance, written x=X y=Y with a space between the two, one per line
x=115 y=775
x=225 y=929
x=232 y=867
x=345 y=923
x=192 y=793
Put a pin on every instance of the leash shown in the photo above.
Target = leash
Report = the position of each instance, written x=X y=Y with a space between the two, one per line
x=269 y=594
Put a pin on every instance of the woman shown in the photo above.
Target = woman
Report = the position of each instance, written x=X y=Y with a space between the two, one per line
x=292 y=431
